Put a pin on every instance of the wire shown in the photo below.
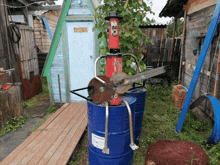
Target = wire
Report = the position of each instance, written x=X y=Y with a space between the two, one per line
x=14 y=31
x=22 y=6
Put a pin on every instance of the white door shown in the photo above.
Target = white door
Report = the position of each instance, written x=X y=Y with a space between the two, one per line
x=81 y=56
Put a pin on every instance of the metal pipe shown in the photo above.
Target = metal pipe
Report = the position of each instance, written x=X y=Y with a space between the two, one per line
x=59 y=90
x=132 y=145
x=106 y=149
x=138 y=66
x=95 y=69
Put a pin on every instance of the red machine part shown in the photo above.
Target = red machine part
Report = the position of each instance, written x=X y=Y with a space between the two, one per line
x=114 y=40
x=113 y=63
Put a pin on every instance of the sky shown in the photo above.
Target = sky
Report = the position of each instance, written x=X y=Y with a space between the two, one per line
x=157 y=7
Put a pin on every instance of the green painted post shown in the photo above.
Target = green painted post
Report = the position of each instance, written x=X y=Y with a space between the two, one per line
x=64 y=12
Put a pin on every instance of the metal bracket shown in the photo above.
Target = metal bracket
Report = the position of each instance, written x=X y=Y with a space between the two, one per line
x=95 y=69
x=132 y=144
x=74 y=92
x=106 y=149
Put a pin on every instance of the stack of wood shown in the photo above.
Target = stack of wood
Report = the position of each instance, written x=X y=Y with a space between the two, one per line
x=178 y=96
x=10 y=99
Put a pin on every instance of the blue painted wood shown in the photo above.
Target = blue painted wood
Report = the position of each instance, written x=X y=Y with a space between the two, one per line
x=77 y=8
x=57 y=67
x=48 y=28
x=81 y=48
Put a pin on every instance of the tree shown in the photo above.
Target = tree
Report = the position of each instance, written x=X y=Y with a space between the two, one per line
x=133 y=14
x=179 y=28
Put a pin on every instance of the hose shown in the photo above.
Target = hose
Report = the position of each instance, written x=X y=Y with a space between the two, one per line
x=14 y=33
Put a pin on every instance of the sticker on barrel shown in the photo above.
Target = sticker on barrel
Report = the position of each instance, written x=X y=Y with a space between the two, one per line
x=98 y=141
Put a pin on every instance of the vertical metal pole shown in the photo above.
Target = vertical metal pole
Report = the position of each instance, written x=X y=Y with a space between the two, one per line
x=207 y=42
x=106 y=149
x=59 y=90
x=132 y=145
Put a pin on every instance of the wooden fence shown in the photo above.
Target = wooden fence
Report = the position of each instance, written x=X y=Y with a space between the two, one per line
x=26 y=51
x=161 y=51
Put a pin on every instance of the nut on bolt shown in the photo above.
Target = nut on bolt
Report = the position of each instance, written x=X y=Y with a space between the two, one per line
x=101 y=89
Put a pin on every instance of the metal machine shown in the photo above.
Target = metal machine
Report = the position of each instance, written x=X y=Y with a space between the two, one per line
x=110 y=113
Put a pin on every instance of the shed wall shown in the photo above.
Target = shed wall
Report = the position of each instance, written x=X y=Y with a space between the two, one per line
x=57 y=67
x=42 y=37
x=197 y=26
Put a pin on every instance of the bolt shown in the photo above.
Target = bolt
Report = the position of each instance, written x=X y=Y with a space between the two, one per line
x=101 y=89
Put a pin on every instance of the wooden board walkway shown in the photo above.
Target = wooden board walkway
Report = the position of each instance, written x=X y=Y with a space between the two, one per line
x=54 y=141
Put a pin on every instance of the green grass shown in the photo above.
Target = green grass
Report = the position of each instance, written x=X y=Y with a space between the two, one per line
x=40 y=98
x=159 y=123
x=80 y=155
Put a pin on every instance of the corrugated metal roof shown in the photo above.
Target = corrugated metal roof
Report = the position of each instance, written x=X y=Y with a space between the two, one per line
x=173 y=8
x=154 y=25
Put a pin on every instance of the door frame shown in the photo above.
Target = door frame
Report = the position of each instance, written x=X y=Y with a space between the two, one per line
x=66 y=51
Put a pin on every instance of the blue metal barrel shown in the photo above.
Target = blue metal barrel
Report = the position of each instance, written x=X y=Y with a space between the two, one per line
x=140 y=95
x=120 y=152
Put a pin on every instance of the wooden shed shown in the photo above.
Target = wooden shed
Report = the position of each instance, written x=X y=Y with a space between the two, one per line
x=197 y=16
x=42 y=37
x=44 y=27
x=73 y=51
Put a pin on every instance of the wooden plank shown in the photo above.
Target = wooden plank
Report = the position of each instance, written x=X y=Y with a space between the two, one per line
x=24 y=46
x=15 y=153
x=21 y=47
x=33 y=8
x=48 y=151
x=201 y=6
x=47 y=136
x=63 y=160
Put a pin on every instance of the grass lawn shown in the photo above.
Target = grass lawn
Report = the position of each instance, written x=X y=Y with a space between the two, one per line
x=159 y=123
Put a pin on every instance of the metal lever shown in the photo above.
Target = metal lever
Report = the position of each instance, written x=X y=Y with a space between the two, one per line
x=95 y=69
x=132 y=144
x=106 y=149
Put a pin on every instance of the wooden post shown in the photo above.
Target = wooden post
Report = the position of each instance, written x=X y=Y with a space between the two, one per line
x=216 y=81
x=183 y=43
x=4 y=54
x=174 y=33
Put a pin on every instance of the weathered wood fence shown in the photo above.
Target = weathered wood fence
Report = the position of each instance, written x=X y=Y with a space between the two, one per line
x=161 y=51
x=26 y=51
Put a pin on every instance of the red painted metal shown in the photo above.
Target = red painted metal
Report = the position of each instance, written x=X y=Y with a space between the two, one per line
x=113 y=64
x=114 y=41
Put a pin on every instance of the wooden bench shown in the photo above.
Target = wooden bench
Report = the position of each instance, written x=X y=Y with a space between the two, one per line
x=55 y=140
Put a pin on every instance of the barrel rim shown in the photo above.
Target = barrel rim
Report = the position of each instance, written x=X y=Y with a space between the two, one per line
x=115 y=106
